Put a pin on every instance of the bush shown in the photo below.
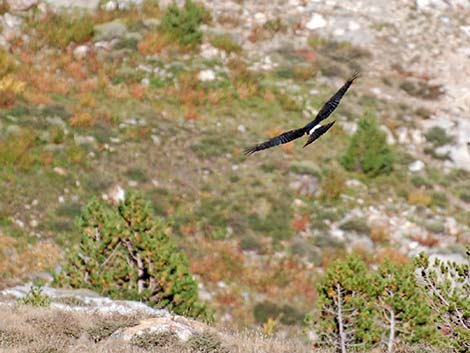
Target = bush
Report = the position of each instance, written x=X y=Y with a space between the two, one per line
x=438 y=137
x=448 y=288
x=62 y=29
x=368 y=151
x=361 y=308
x=226 y=43
x=183 y=25
x=35 y=297
x=126 y=254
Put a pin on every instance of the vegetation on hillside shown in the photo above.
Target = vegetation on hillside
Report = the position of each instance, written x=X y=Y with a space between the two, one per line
x=368 y=151
x=394 y=304
x=127 y=254
x=135 y=111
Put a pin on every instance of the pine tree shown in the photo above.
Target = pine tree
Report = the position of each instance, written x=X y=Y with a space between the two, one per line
x=368 y=151
x=404 y=314
x=448 y=287
x=345 y=308
x=126 y=254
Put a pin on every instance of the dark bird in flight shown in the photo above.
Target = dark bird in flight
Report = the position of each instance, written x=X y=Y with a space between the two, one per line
x=312 y=128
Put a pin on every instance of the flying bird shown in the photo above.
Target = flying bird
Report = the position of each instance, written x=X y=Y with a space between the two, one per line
x=313 y=129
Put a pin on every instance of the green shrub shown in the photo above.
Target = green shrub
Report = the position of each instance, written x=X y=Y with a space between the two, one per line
x=358 y=307
x=344 y=317
x=438 y=137
x=35 y=297
x=448 y=289
x=126 y=254
x=368 y=151
x=60 y=29
x=357 y=225
x=183 y=25
x=226 y=43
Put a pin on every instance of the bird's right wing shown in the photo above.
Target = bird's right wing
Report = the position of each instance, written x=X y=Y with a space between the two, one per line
x=277 y=140
x=319 y=130
x=333 y=102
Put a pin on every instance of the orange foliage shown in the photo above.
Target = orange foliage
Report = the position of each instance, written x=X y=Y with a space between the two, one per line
x=82 y=119
x=379 y=233
x=76 y=70
x=224 y=263
x=88 y=100
x=392 y=255
x=153 y=43
x=49 y=83
x=88 y=85
x=137 y=91
x=37 y=98
x=92 y=62
x=245 y=90
x=215 y=96
x=288 y=147
x=226 y=297
x=269 y=96
x=190 y=112
x=300 y=223
x=427 y=240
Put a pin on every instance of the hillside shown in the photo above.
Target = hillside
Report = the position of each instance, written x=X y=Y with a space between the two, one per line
x=100 y=100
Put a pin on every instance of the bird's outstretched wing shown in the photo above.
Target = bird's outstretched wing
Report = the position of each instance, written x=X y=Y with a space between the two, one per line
x=332 y=103
x=320 y=130
x=277 y=140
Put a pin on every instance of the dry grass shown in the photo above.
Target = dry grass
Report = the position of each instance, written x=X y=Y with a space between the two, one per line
x=30 y=329
x=25 y=328
x=18 y=259
x=419 y=198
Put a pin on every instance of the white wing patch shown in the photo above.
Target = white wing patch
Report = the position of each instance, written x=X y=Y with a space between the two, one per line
x=313 y=129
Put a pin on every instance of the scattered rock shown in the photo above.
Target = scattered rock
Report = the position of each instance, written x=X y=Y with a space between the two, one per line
x=84 y=4
x=151 y=22
x=206 y=75
x=60 y=171
x=21 y=5
x=181 y=326
x=163 y=4
x=109 y=6
x=80 y=52
x=116 y=194
x=304 y=184
x=416 y=166
x=316 y=21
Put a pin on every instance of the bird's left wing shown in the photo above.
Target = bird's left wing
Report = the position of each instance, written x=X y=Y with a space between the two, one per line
x=277 y=140
x=317 y=132
x=333 y=102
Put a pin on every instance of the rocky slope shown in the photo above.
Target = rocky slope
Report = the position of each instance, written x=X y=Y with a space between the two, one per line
x=111 y=112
